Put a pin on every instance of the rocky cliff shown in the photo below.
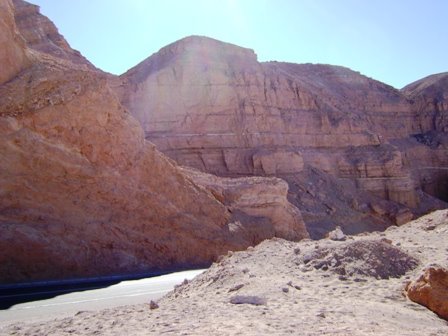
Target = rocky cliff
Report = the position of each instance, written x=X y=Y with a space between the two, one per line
x=213 y=106
x=13 y=56
x=429 y=158
x=42 y=35
x=82 y=193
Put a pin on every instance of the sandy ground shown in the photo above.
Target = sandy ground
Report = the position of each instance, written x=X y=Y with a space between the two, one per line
x=321 y=287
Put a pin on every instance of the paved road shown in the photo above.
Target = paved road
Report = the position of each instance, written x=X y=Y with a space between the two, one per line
x=123 y=293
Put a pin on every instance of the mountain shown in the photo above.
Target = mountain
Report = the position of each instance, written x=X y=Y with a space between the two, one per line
x=211 y=105
x=250 y=151
x=82 y=193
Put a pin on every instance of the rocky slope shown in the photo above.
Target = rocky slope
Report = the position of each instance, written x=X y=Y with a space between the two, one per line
x=233 y=115
x=42 y=35
x=82 y=192
x=350 y=287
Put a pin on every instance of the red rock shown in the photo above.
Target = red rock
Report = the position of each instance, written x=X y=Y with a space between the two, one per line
x=252 y=200
x=279 y=162
x=430 y=289
x=42 y=35
x=84 y=194
x=13 y=56
x=236 y=116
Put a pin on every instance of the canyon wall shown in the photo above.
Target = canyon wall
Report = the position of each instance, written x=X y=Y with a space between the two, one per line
x=82 y=193
x=211 y=105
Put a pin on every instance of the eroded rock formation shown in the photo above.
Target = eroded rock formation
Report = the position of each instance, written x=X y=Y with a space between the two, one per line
x=259 y=198
x=82 y=193
x=213 y=106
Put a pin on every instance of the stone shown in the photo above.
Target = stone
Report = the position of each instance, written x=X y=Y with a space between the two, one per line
x=248 y=299
x=337 y=234
x=153 y=305
x=403 y=216
x=430 y=289
x=236 y=287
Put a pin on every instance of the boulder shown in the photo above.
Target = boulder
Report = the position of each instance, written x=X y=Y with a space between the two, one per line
x=430 y=289
x=337 y=234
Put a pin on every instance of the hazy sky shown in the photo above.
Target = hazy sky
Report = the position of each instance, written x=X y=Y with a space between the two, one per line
x=394 y=41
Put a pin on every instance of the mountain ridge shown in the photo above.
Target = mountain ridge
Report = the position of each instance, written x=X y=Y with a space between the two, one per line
x=234 y=116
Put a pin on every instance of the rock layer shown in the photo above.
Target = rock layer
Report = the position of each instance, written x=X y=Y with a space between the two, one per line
x=233 y=115
x=259 y=198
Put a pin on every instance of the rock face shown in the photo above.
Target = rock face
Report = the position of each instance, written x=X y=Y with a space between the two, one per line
x=13 y=56
x=42 y=35
x=82 y=193
x=431 y=290
x=429 y=159
x=430 y=97
x=235 y=116
x=259 y=198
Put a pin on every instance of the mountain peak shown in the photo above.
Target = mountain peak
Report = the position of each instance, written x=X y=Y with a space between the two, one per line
x=202 y=50
x=204 y=43
x=42 y=35
x=434 y=85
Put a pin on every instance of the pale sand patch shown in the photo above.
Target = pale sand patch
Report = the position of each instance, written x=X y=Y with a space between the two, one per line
x=300 y=299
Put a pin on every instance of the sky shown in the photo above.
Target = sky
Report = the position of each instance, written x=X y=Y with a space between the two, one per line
x=394 y=41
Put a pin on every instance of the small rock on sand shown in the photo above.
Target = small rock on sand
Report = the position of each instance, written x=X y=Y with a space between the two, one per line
x=248 y=299
x=153 y=305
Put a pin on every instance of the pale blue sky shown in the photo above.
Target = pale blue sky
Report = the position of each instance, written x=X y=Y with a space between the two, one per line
x=394 y=41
